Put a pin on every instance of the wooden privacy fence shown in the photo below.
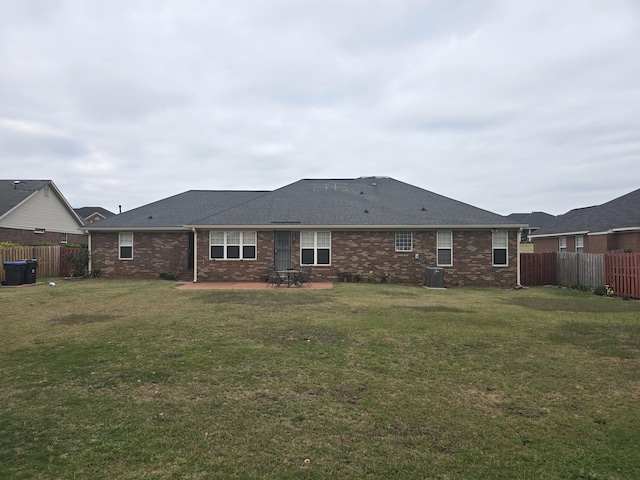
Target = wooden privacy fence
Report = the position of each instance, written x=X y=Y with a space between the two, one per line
x=580 y=269
x=51 y=259
x=538 y=269
x=621 y=271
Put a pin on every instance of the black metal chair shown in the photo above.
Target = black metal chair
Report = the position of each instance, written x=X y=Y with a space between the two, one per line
x=304 y=276
x=273 y=277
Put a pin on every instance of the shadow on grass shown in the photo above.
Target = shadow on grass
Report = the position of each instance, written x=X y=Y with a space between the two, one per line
x=607 y=339
x=285 y=298
x=81 y=318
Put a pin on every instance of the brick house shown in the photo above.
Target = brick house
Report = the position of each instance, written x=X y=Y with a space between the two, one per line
x=611 y=227
x=342 y=228
x=35 y=211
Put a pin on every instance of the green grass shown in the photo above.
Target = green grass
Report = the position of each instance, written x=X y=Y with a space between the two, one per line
x=135 y=379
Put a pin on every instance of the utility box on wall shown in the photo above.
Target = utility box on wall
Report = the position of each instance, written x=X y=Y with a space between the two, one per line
x=434 y=278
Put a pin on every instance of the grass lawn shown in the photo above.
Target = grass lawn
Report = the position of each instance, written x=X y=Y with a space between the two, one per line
x=135 y=379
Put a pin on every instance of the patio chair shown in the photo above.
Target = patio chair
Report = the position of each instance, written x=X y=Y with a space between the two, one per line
x=273 y=277
x=304 y=276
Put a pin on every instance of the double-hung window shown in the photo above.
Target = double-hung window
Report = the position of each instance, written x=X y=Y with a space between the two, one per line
x=562 y=244
x=500 y=244
x=579 y=244
x=315 y=248
x=444 y=248
x=232 y=245
x=404 y=242
x=63 y=238
x=125 y=246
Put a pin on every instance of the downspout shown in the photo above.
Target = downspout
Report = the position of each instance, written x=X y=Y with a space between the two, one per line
x=89 y=248
x=518 y=258
x=195 y=255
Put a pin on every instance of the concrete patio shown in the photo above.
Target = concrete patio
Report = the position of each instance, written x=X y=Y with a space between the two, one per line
x=250 y=286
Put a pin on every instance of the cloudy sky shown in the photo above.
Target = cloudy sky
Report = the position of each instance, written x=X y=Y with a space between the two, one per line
x=512 y=106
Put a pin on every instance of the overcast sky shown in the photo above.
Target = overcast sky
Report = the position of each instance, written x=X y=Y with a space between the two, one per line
x=511 y=106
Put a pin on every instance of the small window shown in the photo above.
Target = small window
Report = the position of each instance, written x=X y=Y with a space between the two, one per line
x=500 y=243
x=63 y=238
x=125 y=246
x=315 y=248
x=579 y=244
x=562 y=244
x=404 y=242
x=445 y=248
x=232 y=245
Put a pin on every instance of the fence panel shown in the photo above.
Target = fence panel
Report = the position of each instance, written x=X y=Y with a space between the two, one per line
x=590 y=269
x=51 y=260
x=567 y=269
x=623 y=273
x=537 y=269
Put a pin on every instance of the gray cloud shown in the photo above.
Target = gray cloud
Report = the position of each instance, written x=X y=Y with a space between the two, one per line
x=510 y=106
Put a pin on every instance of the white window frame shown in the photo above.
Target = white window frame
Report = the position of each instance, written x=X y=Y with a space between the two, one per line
x=500 y=241
x=64 y=238
x=404 y=241
x=125 y=239
x=316 y=241
x=444 y=241
x=562 y=244
x=235 y=238
x=580 y=244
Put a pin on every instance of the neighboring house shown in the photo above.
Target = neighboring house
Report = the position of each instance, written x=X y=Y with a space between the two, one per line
x=611 y=227
x=342 y=228
x=35 y=211
x=534 y=220
x=93 y=214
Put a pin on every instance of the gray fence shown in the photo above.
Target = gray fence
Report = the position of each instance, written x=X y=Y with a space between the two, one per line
x=581 y=269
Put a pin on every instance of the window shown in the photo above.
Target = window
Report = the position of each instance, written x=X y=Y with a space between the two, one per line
x=445 y=248
x=232 y=245
x=126 y=246
x=563 y=244
x=63 y=238
x=579 y=244
x=404 y=242
x=500 y=243
x=315 y=248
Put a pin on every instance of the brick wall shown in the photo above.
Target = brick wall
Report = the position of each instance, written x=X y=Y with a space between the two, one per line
x=29 y=237
x=153 y=253
x=592 y=243
x=626 y=241
x=352 y=253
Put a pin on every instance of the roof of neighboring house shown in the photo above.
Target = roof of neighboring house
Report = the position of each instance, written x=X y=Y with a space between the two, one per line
x=622 y=213
x=86 y=212
x=15 y=192
x=535 y=220
x=359 y=202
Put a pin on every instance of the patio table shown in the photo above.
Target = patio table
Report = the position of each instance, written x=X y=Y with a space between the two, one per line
x=291 y=277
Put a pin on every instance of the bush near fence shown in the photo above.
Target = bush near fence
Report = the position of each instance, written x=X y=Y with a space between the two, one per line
x=52 y=260
x=621 y=271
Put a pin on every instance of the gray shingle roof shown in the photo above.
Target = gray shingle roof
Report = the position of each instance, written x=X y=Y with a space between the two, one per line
x=534 y=219
x=619 y=213
x=13 y=192
x=176 y=211
x=84 y=212
x=366 y=201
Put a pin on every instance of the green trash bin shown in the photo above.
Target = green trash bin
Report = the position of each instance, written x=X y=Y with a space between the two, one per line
x=30 y=271
x=14 y=272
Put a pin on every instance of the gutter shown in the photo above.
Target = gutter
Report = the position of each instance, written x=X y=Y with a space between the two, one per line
x=561 y=234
